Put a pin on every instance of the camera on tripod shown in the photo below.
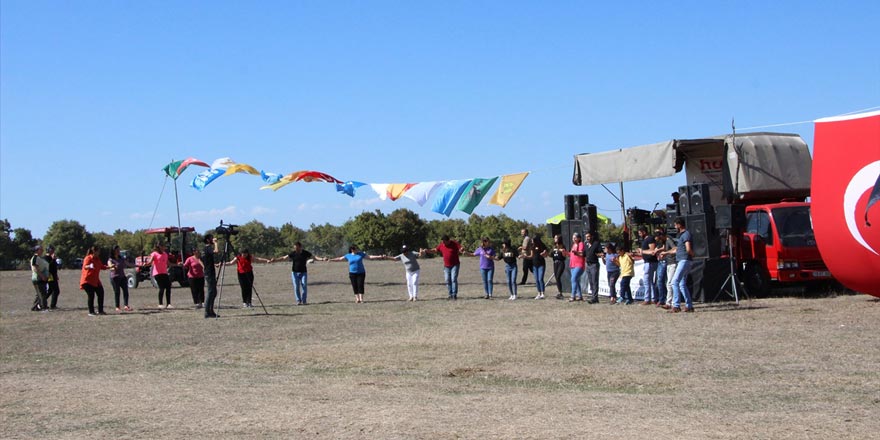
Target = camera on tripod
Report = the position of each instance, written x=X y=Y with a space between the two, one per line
x=226 y=229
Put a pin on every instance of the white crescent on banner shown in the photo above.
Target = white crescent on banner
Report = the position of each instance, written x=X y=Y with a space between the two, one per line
x=862 y=181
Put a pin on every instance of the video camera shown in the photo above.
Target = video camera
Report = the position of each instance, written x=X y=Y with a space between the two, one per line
x=226 y=229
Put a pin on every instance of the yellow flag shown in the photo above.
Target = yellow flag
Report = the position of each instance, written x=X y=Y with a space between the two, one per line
x=508 y=187
x=241 y=168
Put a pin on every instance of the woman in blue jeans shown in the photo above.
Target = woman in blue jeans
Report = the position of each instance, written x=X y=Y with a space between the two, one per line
x=487 y=265
x=509 y=255
x=539 y=266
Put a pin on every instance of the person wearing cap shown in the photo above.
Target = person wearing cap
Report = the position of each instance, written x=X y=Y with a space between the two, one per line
x=53 y=289
x=244 y=261
x=410 y=260
x=40 y=279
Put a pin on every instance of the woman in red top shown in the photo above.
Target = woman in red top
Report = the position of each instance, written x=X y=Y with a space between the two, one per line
x=195 y=271
x=90 y=281
x=246 y=275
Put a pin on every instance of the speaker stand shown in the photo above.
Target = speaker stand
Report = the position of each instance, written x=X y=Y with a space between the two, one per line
x=736 y=284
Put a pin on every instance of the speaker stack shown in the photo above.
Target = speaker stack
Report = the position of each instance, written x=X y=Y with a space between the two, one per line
x=731 y=217
x=695 y=205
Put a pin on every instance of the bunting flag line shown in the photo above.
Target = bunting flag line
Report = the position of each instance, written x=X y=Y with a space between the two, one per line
x=448 y=195
x=175 y=168
x=473 y=194
x=507 y=188
x=464 y=195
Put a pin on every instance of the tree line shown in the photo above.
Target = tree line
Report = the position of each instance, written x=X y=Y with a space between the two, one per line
x=374 y=232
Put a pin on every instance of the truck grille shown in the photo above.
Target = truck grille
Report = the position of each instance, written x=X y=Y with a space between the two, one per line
x=813 y=265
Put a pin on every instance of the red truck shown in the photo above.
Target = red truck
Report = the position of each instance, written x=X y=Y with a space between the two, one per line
x=177 y=255
x=778 y=247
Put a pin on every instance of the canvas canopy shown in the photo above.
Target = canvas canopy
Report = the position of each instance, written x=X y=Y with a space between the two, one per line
x=761 y=165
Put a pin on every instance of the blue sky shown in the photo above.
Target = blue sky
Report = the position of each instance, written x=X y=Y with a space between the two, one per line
x=96 y=97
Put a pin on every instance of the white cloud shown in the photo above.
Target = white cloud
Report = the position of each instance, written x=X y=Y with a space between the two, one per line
x=211 y=215
x=364 y=203
x=262 y=210
x=143 y=215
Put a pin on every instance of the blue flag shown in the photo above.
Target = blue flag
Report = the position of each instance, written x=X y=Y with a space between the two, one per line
x=448 y=195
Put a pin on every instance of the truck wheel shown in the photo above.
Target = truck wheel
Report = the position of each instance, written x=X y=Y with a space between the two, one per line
x=132 y=280
x=756 y=279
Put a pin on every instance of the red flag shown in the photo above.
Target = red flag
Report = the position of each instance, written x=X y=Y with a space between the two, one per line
x=846 y=167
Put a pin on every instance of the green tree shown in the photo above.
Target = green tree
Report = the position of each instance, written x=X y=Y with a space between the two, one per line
x=70 y=238
x=258 y=239
x=290 y=234
x=454 y=228
x=7 y=248
x=325 y=240
x=24 y=243
x=368 y=231
x=405 y=227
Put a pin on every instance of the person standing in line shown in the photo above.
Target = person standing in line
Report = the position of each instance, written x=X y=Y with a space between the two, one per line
x=118 y=280
x=576 y=265
x=684 y=254
x=40 y=279
x=592 y=254
x=450 y=250
x=648 y=249
x=90 y=280
x=244 y=262
x=627 y=272
x=612 y=268
x=52 y=287
x=671 y=264
x=557 y=254
x=159 y=271
x=509 y=255
x=539 y=265
x=208 y=261
x=410 y=261
x=299 y=274
x=195 y=273
x=487 y=265
x=526 y=248
x=357 y=273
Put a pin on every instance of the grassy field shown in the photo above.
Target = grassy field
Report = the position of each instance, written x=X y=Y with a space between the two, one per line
x=770 y=368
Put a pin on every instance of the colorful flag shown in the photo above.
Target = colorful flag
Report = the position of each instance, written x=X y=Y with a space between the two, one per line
x=507 y=188
x=349 y=187
x=421 y=192
x=381 y=189
x=396 y=190
x=270 y=178
x=218 y=167
x=241 y=168
x=175 y=168
x=448 y=195
x=473 y=194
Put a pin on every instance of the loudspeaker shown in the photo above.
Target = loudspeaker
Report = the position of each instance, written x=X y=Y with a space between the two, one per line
x=590 y=217
x=730 y=217
x=552 y=231
x=569 y=227
x=684 y=200
x=705 y=241
x=580 y=202
x=699 y=199
x=570 y=213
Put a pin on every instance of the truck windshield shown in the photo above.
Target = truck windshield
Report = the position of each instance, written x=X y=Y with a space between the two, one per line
x=794 y=226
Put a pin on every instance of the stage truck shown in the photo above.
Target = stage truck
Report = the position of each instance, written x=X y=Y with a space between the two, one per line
x=745 y=197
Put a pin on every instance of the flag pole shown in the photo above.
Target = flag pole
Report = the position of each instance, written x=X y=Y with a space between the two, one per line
x=179 y=234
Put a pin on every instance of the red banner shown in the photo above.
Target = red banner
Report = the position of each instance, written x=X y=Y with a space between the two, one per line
x=846 y=168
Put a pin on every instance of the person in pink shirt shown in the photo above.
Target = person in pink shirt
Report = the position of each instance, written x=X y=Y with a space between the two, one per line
x=195 y=272
x=576 y=264
x=159 y=260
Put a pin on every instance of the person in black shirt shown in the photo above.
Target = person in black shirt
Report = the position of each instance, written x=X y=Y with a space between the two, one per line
x=210 y=274
x=509 y=254
x=53 y=289
x=299 y=273
x=558 y=256
x=648 y=250
x=592 y=253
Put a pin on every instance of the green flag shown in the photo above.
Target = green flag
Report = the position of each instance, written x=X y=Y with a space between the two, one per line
x=474 y=193
x=172 y=169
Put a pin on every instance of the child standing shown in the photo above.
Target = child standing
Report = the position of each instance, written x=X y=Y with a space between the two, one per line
x=627 y=271
x=612 y=267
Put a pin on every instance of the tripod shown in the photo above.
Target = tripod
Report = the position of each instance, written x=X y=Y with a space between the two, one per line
x=227 y=248
x=732 y=277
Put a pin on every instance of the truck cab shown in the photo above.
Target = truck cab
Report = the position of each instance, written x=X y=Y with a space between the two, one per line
x=778 y=246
